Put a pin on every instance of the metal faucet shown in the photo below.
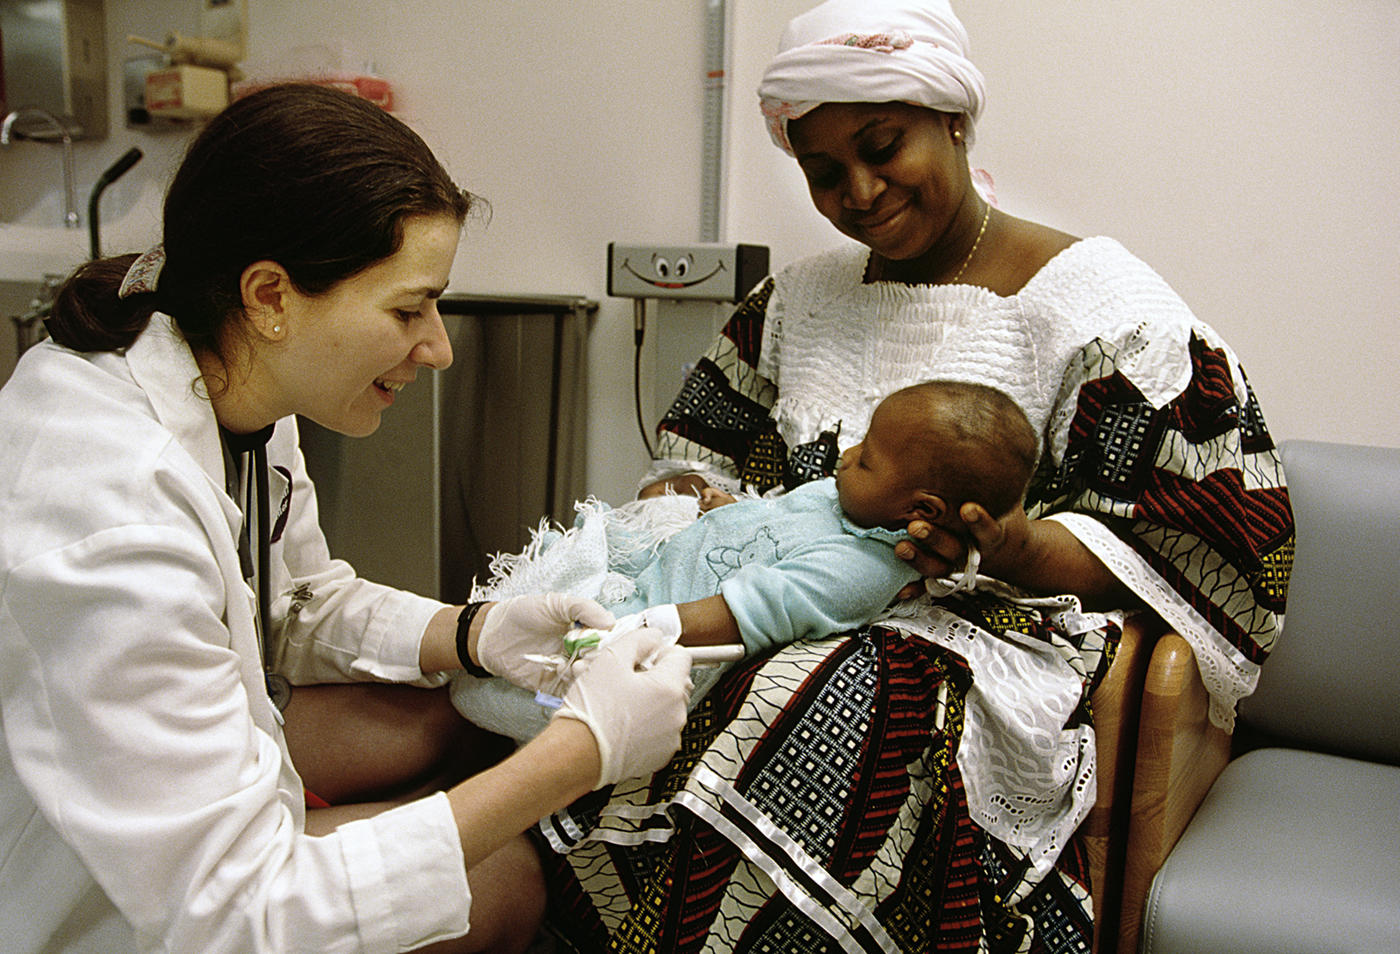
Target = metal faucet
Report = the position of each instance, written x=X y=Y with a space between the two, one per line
x=70 y=202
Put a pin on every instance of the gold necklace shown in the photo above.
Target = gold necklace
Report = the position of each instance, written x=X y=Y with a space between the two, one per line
x=986 y=214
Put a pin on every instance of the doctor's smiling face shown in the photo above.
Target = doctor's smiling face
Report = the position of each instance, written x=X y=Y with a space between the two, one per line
x=340 y=357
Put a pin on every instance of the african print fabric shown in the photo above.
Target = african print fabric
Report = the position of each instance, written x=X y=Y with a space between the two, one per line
x=853 y=743
x=917 y=786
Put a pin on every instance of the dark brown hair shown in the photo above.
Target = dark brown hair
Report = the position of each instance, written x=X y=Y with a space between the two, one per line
x=314 y=179
x=978 y=444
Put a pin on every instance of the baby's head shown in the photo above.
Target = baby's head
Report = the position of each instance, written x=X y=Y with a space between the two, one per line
x=933 y=447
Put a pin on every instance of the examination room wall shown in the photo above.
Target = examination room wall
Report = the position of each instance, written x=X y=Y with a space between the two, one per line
x=580 y=123
x=1247 y=151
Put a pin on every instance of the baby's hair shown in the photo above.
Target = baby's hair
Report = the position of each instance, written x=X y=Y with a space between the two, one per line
x=977 y=441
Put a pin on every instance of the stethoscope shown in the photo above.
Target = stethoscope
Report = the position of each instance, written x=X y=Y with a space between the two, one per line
x=255 y=545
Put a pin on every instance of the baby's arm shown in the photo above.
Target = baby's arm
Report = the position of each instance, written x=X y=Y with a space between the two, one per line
x=828 y=586
x=815 y=592
x=707 y=622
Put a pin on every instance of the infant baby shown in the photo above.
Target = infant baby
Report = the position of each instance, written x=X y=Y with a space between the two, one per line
x=763 y=572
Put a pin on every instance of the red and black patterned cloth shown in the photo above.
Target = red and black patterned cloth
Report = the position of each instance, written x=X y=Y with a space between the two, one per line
x=818 y=803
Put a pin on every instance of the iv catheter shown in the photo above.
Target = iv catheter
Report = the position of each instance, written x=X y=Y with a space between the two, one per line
x=579 y=641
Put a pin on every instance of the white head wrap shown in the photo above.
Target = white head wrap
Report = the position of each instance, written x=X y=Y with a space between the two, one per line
x=871 y=51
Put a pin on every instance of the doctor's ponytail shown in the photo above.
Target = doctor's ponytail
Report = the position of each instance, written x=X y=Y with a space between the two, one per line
x=87 y=315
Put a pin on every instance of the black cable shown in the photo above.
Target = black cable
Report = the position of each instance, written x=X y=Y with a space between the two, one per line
x=639 y=325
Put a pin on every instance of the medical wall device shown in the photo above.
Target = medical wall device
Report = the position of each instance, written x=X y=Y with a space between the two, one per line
x=686 y=281
x=709 y=271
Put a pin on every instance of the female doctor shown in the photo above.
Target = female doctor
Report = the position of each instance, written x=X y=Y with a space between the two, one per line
x=163 y=582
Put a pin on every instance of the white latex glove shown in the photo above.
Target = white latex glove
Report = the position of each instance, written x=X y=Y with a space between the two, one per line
x=632 y=694
x=533 y=626
x=664 y=618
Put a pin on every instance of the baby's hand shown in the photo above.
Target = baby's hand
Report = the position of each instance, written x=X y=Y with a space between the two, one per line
x=710 y=498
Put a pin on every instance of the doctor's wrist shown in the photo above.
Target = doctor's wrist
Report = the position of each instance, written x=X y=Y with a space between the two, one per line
x=468 y=634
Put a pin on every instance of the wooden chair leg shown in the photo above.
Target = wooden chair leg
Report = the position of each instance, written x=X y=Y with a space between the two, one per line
x=1115 y=704
x=1179 y=755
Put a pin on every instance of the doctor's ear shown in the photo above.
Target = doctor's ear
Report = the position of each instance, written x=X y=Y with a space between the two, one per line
x=266 y=290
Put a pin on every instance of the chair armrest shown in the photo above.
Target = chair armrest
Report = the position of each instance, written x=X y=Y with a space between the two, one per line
x=1179 y=755
x=1115 y=703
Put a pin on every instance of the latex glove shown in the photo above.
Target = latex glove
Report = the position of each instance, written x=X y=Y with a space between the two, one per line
x=664 y=618
x=533 y=626
x=632 y=694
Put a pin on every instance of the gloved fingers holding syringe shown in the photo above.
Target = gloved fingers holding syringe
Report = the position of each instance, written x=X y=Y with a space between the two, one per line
x=662 y=620
x=631 y=692
x=522 y=638
x=626 y=680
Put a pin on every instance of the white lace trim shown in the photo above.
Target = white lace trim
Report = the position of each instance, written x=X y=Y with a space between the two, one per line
x=1030 y=779
x=1227 y=674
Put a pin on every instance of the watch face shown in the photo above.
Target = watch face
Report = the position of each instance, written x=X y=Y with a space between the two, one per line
x=279 y=690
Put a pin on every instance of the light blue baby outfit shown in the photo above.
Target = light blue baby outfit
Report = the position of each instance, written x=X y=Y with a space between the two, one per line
x=789 y=567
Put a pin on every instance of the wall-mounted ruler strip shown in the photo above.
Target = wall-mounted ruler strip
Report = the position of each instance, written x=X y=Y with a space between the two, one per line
x=712 y=132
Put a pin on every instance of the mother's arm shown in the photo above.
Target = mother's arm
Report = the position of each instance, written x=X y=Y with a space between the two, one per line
x=1040 y=556
x=1177 y=490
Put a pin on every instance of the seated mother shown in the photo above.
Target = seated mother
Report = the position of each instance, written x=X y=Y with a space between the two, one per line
x=921 y=781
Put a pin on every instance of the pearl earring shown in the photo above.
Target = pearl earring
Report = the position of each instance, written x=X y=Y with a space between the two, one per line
x=276 y=329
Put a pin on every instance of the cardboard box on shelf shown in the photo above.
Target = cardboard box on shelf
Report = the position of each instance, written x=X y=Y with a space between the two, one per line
x=186 y=92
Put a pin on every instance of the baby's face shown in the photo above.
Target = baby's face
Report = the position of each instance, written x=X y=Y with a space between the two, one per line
x=872 y=479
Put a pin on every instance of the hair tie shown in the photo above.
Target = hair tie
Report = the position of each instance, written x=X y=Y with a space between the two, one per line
x=143 y=274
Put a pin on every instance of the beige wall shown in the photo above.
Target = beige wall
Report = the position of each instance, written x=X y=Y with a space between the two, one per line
x=1247 y=151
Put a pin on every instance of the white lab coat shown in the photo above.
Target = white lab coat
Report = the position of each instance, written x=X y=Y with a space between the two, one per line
x=147 y=801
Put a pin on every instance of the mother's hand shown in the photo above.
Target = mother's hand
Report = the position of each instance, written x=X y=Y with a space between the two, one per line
x=937 y=551
x=1005 y=544
x=1039 y=556
x=932 y=550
